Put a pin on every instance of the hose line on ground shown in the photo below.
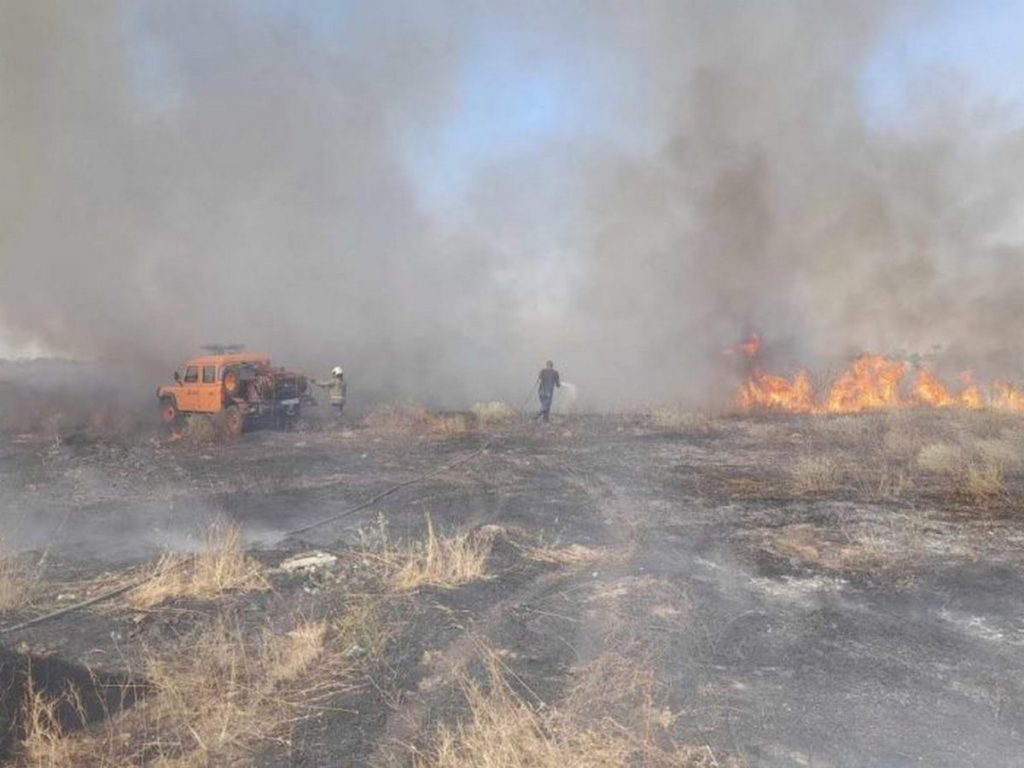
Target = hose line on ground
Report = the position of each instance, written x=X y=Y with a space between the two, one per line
x=125 y=588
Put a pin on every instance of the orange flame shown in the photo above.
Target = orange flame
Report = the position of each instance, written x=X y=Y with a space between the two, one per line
x=1007 y=395
x=928 y=390
x=970 y=395
x=870 y=383
x=778 y=393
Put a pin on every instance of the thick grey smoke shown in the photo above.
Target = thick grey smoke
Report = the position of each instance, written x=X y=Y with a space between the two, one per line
x=256 y=186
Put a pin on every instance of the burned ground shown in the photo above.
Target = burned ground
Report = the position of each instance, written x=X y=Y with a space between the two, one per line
x=734 y=591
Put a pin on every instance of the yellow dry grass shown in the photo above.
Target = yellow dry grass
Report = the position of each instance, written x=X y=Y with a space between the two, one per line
x=198 y=429
x=413 y=419
x=46 y=742
x=940 y=458
x=1001 y=452
x=982 y=481
x=678 y=417
x=220 y=566
x=813 y=474
x=494 y=412
x=210 y=697
x=440 y=561
x=18 y=584
x=505 y=730
x=573 y=554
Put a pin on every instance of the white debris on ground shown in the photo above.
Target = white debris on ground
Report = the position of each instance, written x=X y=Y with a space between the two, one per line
x=309 y=561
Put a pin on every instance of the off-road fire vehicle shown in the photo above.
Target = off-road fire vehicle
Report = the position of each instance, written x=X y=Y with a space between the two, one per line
x=236 y=390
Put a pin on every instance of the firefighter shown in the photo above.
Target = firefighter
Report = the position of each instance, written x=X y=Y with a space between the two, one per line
x=336 y=388
x=547 y=380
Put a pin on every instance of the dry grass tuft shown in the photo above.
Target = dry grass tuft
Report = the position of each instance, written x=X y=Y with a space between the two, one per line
x=677 y=417
x=46 y=742
x=574 y=554
x=441 y=561
x=494 y=412
x=982 y=482
x=814 y=474
x=940 y=458
x=362 y=630
x=18 y=583
x=210 y=697
x=198 y=429
x=289 y=656
x=889 y=547
x=1002 y=452
x=217 y=691
x=221 y=566
x=504 y=729
x=413 y=419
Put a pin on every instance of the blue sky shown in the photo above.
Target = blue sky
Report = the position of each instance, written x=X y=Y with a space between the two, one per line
x=978 y=44
x=508 y=100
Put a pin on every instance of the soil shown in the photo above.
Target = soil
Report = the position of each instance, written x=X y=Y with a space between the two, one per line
x=849 y=626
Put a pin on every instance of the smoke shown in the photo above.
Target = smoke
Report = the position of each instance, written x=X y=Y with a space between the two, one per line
x=176 y=173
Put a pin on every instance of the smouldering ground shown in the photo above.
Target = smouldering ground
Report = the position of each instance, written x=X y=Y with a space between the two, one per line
x=657 y=590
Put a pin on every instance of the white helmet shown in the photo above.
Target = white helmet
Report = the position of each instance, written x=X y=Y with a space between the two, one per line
x=336 y=371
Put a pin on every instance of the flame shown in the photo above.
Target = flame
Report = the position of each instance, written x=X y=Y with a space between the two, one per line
x=928 y=390
x=970 y=395
x=871 y=382
x=749 y=348
x=763 y=390
x=1007 y=395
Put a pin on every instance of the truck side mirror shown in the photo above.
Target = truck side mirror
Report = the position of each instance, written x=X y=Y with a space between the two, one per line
x=177 y=378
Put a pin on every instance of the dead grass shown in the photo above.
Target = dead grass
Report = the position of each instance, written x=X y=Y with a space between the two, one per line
x=505 y=729
x=413 y=419
x=574 y=554
x=47 y=743
x=882 y=478
x=888 y=547
x=982 y=481
x=678 y=417
x=210 y=697
x=1002 y=452
x=18 y=583
x=440 y=561
x=494 y=412
x=940 y=458
x=220 y=566
x=198 y=429
x=217 y=692
x=813 y=474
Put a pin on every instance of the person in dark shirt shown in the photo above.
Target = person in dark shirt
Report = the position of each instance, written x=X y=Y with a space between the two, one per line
x=547 y=380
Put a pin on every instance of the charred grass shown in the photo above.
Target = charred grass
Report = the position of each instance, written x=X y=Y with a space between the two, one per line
x=609 y=720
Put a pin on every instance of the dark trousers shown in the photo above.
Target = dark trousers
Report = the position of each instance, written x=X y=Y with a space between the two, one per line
x=545 y=405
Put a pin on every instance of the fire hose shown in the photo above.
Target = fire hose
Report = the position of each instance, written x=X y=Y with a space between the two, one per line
x=133 y=585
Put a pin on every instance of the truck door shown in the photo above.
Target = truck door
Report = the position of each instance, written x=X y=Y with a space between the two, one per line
x=189 y=400
x=209 y=390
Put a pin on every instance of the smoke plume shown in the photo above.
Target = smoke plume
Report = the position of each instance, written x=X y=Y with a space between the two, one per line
x=176 y=173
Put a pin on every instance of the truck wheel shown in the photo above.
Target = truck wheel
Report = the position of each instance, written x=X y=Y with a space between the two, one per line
x=168 y=412
x=233 y=420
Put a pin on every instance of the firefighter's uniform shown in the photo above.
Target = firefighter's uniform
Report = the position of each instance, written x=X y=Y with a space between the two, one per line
x=336 y=387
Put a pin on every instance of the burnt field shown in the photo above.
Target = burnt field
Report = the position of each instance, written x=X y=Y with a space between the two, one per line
x=659 y=589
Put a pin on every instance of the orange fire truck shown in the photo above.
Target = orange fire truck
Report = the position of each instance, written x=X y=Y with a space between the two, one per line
x=235 y=389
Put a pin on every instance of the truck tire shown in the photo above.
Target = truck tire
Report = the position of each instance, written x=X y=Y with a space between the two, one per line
x=169 y=413
x=233 y=420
